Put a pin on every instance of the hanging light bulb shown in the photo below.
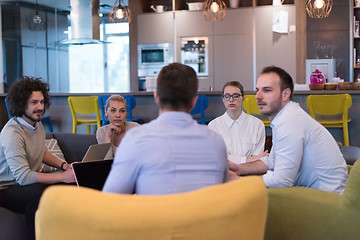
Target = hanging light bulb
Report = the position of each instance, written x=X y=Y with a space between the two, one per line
x=120 y=13
x=214 y=10
x=318 y=8
x=319 y=3
x=214 y=7
x=37 y=19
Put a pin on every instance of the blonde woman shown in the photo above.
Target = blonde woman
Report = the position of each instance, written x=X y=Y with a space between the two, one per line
x=115 y=110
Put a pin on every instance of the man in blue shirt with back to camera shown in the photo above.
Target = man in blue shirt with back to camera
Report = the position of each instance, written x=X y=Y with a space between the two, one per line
x=304 y=153
x=173 y=153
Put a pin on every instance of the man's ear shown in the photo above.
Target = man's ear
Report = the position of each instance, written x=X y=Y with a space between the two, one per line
x=286 y=94
x=156 y=98
x=193 y=102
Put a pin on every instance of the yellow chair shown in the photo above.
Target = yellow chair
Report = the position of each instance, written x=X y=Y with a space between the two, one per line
x=85 y=105
x=251 y=107
x=234 y=210
x=328 y=105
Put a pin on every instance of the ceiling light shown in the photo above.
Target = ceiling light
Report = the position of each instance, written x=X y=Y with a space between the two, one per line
x=120 y=13
x=214 y=10
x=319 y=8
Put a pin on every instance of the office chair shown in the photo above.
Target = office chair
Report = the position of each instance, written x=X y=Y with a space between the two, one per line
x=331 y=105
x=251 y=108
x=202 y=104
x=44 y=119
x=85 y=106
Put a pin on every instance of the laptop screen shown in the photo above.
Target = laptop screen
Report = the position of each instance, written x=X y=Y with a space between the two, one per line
x=92 y=174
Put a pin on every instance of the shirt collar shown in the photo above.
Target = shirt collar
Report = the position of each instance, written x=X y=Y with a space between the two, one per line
x=26 y=124
x=175 y=115
x=229 y=122
x=278 y=116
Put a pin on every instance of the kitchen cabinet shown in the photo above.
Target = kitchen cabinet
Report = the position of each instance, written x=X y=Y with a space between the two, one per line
x=233 y=48
x=236 y=21
x=191 y=24
x=182 y=4
x=233 y=60
x=240 y=46
x=155 y=28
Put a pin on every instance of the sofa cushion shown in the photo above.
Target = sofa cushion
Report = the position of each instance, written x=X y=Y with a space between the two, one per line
x=52 y=146
x=13 y=225
x=74 y=146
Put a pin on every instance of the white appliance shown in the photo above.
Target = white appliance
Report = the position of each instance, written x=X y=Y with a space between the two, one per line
x=153 y=57
x=326 y=66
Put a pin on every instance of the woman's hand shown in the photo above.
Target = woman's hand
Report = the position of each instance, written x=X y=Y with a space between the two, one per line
x=257 y=157
x=113 y=129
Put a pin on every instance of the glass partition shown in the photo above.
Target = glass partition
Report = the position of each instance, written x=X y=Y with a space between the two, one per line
x=33 y=49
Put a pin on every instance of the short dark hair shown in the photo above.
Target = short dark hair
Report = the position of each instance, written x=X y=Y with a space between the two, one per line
x=177 y=85
x=20 y=92
x=234 y=84
x=285 y=78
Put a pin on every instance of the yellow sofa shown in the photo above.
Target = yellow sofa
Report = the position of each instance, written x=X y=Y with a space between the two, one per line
x=235 y=210
x=304 y=213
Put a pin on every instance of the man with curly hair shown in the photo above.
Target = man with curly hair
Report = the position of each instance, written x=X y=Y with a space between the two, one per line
x=22 y=150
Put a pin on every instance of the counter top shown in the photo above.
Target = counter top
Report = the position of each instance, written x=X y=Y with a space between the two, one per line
x=208 y=93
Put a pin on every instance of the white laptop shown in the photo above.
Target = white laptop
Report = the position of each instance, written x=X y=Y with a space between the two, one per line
x=96 y=152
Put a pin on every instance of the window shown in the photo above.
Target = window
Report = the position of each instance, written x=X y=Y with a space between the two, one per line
x=101 y=67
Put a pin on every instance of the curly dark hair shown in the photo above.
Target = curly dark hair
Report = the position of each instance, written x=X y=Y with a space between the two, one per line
x=20 y=92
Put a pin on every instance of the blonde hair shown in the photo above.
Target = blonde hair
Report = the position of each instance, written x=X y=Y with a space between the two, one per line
x=117 y=98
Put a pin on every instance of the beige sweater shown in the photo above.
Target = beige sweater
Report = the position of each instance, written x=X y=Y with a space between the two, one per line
x=101 y=137
x=21 y=153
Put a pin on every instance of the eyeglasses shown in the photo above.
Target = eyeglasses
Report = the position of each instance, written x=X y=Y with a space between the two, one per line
x=235 y=96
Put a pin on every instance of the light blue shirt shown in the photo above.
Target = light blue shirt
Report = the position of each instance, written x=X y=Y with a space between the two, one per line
x=304 y=153
x=171 y=154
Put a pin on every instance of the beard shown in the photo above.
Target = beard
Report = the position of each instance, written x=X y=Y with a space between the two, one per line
x=38 y=119
x=272 y=109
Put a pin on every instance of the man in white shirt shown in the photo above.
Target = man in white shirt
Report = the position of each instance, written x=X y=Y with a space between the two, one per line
x=303 y=153
x=244 y=135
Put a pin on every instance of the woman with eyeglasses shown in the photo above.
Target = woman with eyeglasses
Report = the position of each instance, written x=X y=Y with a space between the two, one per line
x=244 y=135
x=115 y=110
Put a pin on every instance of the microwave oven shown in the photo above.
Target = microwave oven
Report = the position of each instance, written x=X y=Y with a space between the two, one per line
x=152 y=57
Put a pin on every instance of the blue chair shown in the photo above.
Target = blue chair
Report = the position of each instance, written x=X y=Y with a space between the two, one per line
x=201 y=105
x=130 y=105
x=44 y=119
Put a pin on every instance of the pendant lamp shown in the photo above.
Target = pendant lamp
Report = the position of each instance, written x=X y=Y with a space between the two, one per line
x=214 y=10
x=120 y=13
x=319 y=8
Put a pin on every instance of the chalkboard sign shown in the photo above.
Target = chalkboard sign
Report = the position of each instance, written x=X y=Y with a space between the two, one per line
x=329 y=37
